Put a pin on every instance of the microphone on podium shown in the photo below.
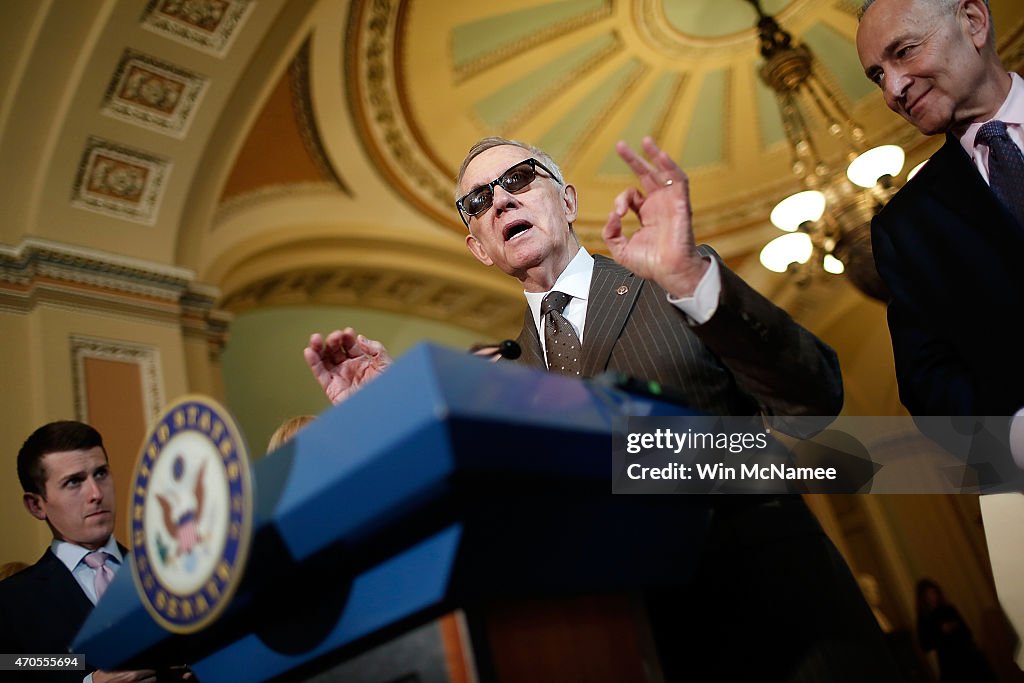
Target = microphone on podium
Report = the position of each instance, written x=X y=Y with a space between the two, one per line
x=508 y=349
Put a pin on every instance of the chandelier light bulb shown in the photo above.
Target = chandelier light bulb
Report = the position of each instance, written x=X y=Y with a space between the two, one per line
x=795 y=247
x=798 y=208
x=867 y=168
x=833 y=265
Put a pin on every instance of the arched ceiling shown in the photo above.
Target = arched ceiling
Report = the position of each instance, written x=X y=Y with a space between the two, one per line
x=574 y=76
x=302 y=151
x=245 y=141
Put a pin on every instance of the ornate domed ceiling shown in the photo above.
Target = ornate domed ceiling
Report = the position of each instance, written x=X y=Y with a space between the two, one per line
x=574 y=76
x=299 y=141
x=393 y=92
x=169 y=160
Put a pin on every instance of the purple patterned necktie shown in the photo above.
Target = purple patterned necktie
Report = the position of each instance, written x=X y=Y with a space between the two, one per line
x=1005 y=167
x=104 y=574
x=562 y=346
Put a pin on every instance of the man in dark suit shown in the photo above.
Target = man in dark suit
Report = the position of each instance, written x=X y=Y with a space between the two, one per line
x=770 y=583
x=947 y=244
x=63 y=470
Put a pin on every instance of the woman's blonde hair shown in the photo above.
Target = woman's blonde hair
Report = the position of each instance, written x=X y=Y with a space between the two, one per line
x=287 y=430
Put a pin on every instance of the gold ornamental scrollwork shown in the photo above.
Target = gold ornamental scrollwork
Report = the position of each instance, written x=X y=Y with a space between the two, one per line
x=371 y=67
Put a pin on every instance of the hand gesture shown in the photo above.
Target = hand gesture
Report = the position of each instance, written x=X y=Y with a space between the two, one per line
x=663 y=248
x=344 y=362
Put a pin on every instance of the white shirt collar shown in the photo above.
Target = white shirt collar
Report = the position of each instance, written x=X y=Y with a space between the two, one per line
x=71 y=554
x=574 y=281
x=1011 y=113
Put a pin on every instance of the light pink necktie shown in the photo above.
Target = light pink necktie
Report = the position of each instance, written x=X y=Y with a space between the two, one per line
x=104 y=574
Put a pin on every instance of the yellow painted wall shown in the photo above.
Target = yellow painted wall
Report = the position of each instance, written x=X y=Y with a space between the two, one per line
x=35 y=349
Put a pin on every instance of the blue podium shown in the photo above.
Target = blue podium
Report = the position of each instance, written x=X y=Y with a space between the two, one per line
x=449 y=483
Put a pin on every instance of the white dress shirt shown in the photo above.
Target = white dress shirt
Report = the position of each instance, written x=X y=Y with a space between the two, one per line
x=1011 y=113
x=575 y=281
x=73 y=556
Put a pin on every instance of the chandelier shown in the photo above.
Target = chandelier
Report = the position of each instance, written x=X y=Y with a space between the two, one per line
x=828 y=224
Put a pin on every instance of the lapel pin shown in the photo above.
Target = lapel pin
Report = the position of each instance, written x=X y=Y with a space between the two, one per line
x=622 y=290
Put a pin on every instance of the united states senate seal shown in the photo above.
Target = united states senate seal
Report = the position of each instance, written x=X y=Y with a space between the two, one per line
x=190 y=521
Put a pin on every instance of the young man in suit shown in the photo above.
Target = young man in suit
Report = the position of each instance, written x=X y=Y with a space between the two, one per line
x=65 y=476
x=770 y=583
x=947 y=244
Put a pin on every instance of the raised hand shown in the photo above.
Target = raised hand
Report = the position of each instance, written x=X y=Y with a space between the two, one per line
x=344 y=362
x=663 y=248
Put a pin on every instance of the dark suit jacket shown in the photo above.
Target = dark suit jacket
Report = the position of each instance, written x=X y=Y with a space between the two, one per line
x=42 y=608
x=950 y=253
x=750 y=357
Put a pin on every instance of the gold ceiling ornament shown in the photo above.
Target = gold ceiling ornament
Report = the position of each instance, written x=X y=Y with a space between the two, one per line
x=828 y=225
x=464 y=71
x=598 y=79
x=372 y=64
x=695 y=40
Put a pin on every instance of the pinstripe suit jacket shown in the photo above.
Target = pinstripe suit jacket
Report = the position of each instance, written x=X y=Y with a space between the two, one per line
x=749 y=357
x=769 y=580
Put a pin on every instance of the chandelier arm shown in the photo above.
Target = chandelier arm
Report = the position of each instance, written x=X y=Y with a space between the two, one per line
x=793 y=134
x=843 y=230
x=818 y=89
x=808 y=136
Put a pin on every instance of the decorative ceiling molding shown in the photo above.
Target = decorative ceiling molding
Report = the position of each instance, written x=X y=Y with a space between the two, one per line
x=631 y=75
x=671 y=109
x=154 y=94
x=241 y=203
x=144 y=356
x=36 y=259
x=654 y=26
x=467 y=69
x=44 y=273
x=435 y=298
x=566 y=110
x=207 y=25
x=372 y=66
x=581 y=62
x=305 y=118
x=119 y=181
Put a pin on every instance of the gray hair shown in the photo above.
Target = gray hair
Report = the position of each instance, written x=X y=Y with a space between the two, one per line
x=947 y=5
x=495 y=141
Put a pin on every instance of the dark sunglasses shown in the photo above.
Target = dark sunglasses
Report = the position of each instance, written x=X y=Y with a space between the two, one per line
x=515 y=179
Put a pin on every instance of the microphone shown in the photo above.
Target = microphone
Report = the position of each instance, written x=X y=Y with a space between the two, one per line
x=508 y=349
